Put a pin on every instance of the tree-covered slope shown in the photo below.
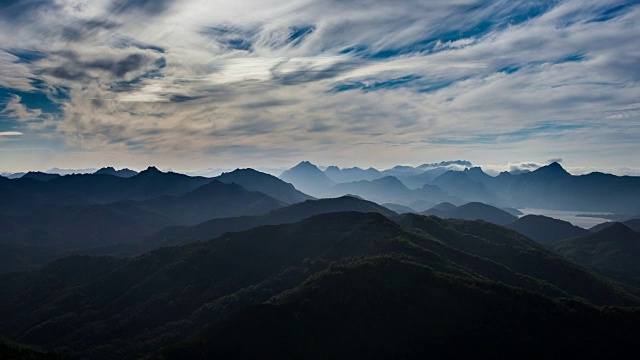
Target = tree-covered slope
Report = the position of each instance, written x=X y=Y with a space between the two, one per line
x=101 y=307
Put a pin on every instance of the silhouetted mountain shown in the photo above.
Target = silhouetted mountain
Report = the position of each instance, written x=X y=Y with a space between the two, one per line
x=401 y=170
x=471 y=211
x=423 y=178
x=433 y=195
x=386 y=189
x=552 y=171
x=214 y=200
x=400 y=209
x=480 y=211
x=125 y=173
x=441 y=210
x=210 y=229
x=633 y=224
x=40 y=176
x=416 y=177
x=307 y=178
x=23 y=195
x=51 y=232
x=13 y=175
x=614 y=250
x=510 y=249
x=545 y=230
x=552 y=187
x=445 y=206
x=390 y=308
x=267 y=184
x=513 y=211
x=460 y=184
x=351 y=174
x=391 y=190
x=100 y=307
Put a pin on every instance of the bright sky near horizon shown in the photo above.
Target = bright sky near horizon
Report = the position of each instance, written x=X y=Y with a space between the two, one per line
x=192 y=84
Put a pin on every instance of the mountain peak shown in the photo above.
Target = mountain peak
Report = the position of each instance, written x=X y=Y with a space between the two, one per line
x=476 y=173
x=110 y=170
x=151 y=170
x=554 y=168
x=616 y=229
x=305 y=167
x=389 y=180
x=305 y=164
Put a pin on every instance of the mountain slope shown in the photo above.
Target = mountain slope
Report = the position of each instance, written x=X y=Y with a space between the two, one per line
x=47 y=233
x=518 y=253
x=24 y=195
x=351 y=174
x=270 y=185
x=386 y=189
x=125 y=173
x=472 y=211
x=545 y=230
x=308 y=178
x=286 y=215
x=614 y=250
x=100 y=307
x=460 y=184
x=633 y=224
x=552 y=187
x=214 y=200
x=388 y=308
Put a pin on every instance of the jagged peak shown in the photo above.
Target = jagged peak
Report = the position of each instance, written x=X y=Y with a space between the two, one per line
x=475 y=170
x=150 y=171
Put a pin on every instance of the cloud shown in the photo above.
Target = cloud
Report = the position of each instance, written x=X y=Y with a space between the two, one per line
x=14 y=108
x=335 y=81
x=14 y=74
x=10 y=133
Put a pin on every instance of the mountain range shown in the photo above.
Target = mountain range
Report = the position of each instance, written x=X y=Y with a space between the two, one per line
x=548 y=187
x=546 y=230
x=360 y=264
x=614 y=251
x=46 y=219
x=158 y=265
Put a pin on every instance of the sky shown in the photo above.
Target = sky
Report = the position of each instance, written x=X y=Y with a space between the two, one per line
x=195 y=84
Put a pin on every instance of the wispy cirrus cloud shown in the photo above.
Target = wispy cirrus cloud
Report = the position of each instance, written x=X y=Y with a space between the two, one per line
x=273 y=82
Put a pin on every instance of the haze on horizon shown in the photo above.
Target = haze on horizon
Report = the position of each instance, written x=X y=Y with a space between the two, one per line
x=198 y=84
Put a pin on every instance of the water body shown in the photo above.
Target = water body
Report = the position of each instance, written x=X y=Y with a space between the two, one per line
x=570 y=216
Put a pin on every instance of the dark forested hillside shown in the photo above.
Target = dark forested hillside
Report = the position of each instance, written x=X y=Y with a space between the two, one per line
x=47 y=232
x=614 y=250
x=545 y=230
x=471 y=211
x=390 y=308
x=101 y=307
x=178 y=235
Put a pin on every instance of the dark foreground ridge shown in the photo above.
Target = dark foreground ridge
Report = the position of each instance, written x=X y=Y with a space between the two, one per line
x=331 y=286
